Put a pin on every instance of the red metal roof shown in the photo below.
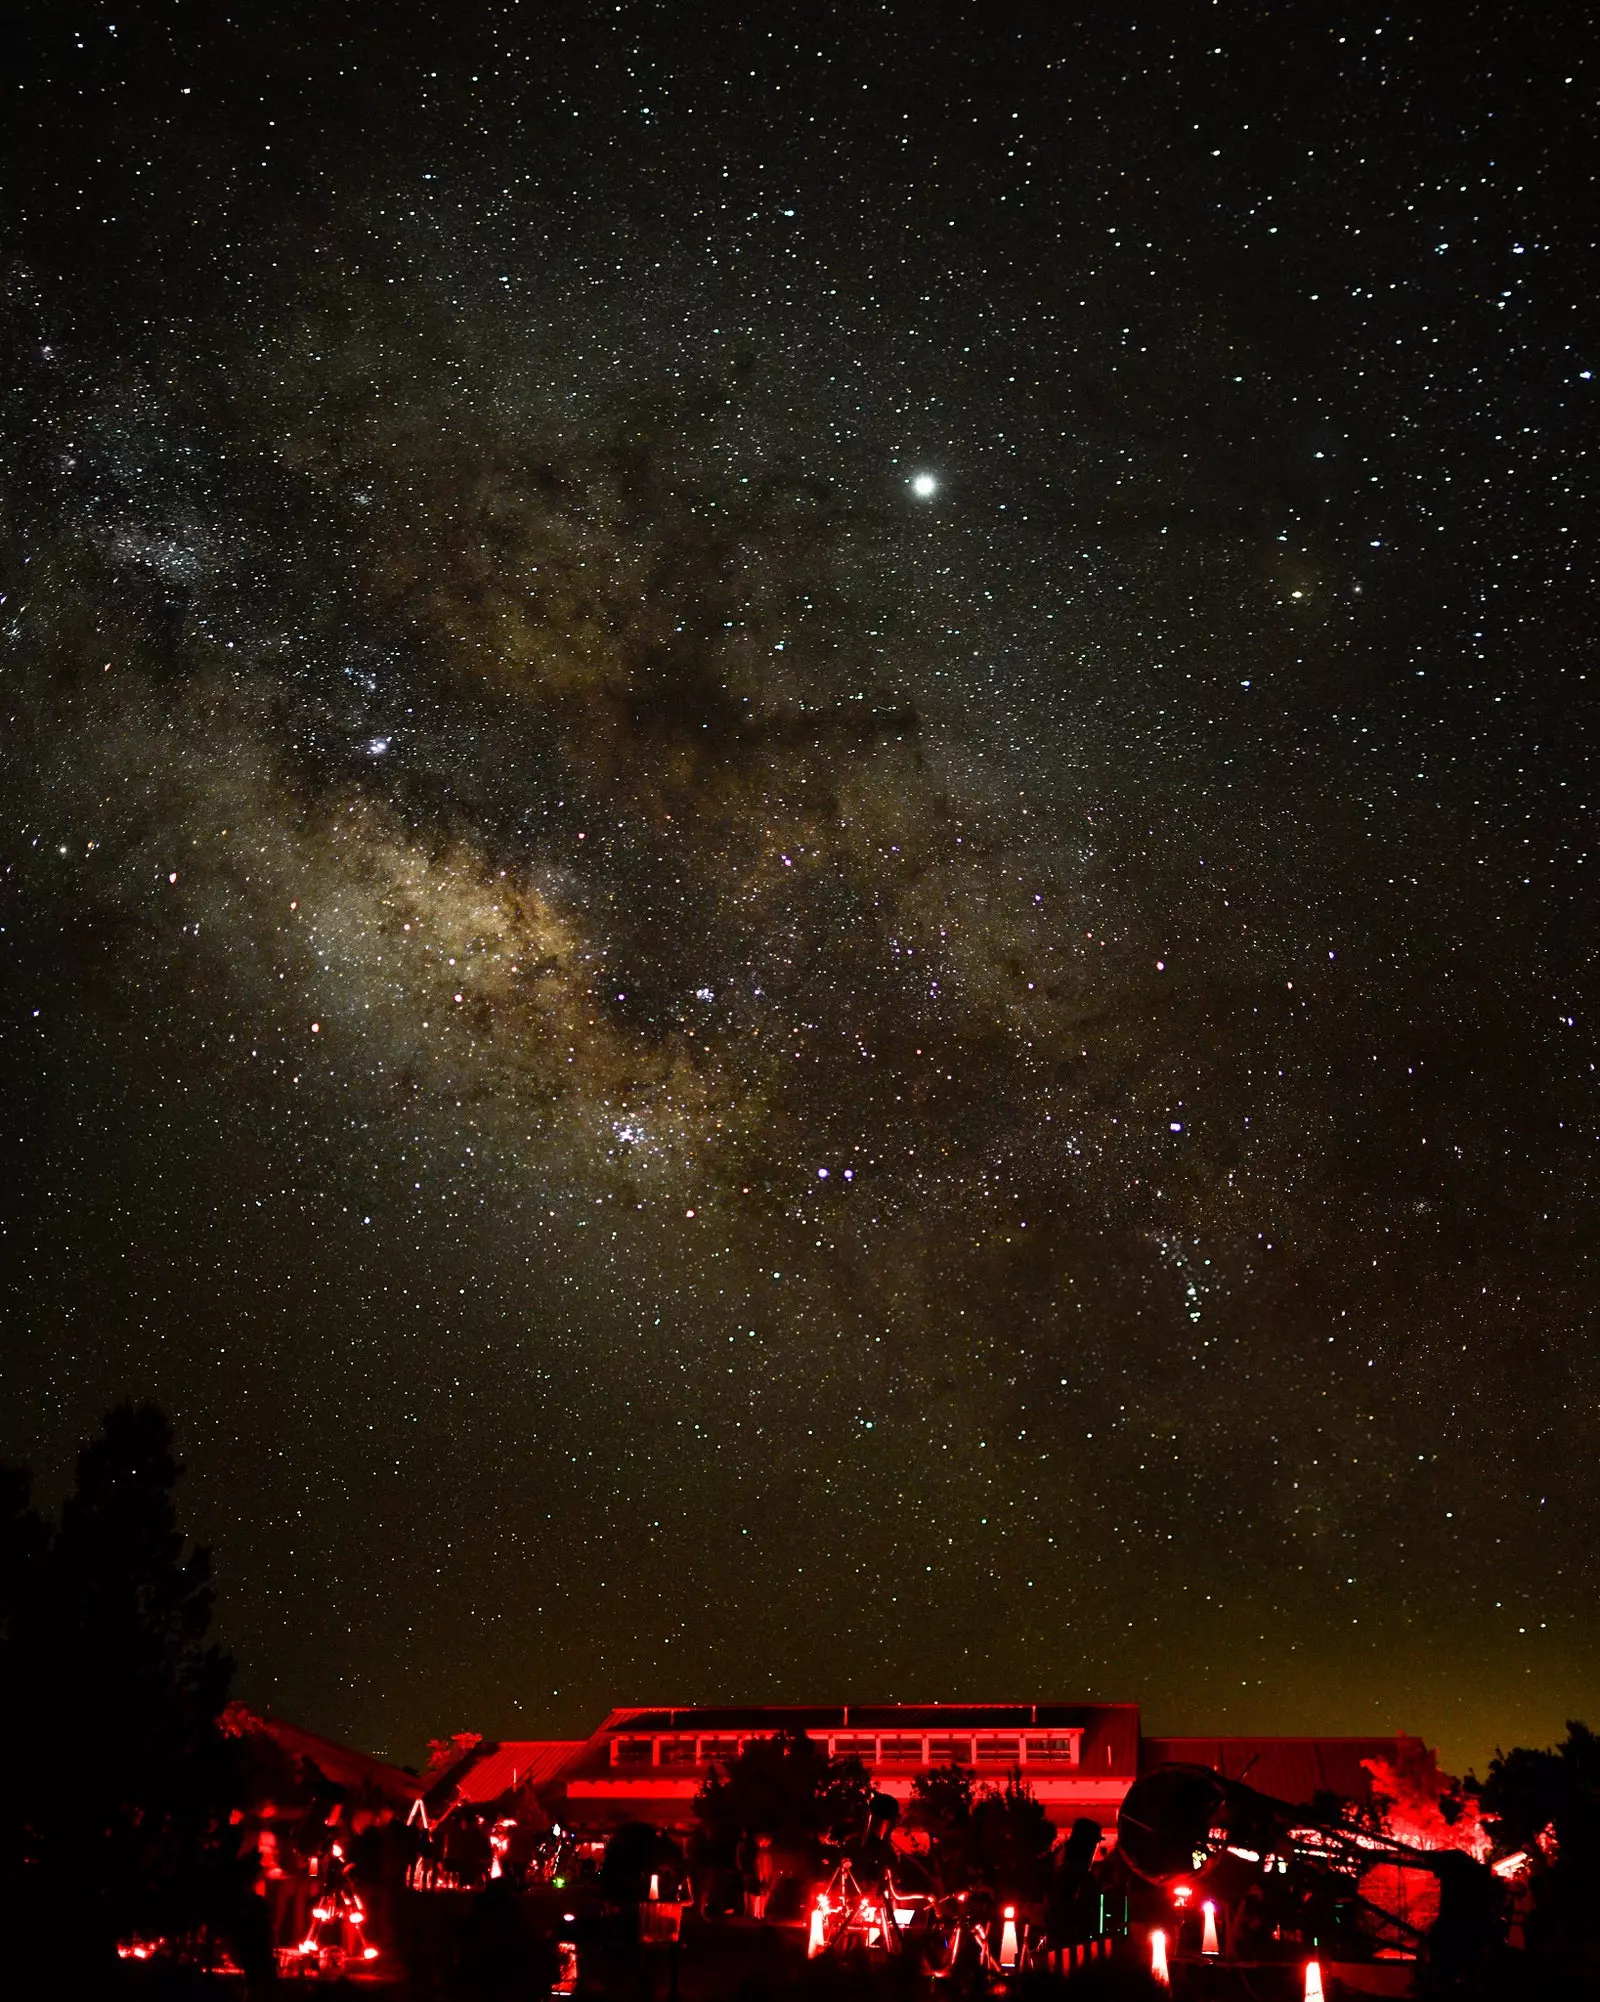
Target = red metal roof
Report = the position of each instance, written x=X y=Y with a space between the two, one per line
x=491 y=1769
x=1291 y=1769
x=865 y=1717
x=338 y=1762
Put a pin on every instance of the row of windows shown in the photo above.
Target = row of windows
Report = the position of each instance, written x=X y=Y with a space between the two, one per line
x=873 y=1748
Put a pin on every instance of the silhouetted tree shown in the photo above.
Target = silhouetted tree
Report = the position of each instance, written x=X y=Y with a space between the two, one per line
x=1013 y=1839
x=785 y=1787
x=846 y=1802
x=1000 y=1837
x=941 y=1806
x=1414 y=1801
x=120 y=1783
x=787 y=1790
x=1548 y=1803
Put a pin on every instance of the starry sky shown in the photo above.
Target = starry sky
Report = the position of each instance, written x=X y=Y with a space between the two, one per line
x=797 y=847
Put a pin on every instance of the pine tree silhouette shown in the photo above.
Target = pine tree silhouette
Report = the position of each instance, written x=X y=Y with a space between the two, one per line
x=115 y=1816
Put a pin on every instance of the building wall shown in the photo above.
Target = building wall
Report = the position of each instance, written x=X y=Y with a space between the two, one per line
x=1078 y=1758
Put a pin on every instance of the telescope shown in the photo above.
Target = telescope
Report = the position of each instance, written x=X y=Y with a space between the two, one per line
x=1188 y=1824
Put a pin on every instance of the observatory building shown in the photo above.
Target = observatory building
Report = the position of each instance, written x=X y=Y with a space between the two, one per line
x=1079 y=1759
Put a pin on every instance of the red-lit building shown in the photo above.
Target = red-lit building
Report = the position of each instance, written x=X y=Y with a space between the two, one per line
x=1078 y=1758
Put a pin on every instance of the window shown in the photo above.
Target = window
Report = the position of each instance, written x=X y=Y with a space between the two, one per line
x=677 y=1751
x=948 y=1751
x=993 y=1750
x=857 y=1747
x=1057 y=1748
x=901 y=1749
x=632 y=1751
x=719 y=1748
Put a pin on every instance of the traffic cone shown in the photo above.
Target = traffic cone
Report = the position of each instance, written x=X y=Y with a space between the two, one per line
x=1158 y=1958
x=1208 y=1936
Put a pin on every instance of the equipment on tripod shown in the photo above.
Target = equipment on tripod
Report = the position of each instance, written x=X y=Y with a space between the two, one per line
x=848 y=1914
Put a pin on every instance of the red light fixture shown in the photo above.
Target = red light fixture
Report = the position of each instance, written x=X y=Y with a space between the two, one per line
x=1008 y=1937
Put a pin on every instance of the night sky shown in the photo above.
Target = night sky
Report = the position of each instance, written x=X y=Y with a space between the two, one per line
x=797 y=838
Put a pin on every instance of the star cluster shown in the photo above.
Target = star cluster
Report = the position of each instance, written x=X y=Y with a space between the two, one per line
x=796 y=830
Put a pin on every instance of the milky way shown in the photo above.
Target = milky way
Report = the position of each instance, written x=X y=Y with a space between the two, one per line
x=795 y=889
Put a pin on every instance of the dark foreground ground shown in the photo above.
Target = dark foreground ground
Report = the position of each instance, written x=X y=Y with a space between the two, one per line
x=743 y=1961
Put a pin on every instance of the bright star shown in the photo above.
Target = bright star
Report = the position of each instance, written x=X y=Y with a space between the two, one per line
x=924 y=486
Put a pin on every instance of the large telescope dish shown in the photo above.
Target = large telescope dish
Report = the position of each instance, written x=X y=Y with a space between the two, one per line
x=1167 y=1822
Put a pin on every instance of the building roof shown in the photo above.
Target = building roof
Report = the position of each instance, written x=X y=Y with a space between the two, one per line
x=495 y=1767
x=866 y=1717
x=339 y=1763
x=1291 y=1769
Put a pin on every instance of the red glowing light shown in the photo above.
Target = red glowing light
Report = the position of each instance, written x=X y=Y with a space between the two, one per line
x=1008 y=1938
x=335 y=1936
x=1158 y=1958
x=1208 y=1936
